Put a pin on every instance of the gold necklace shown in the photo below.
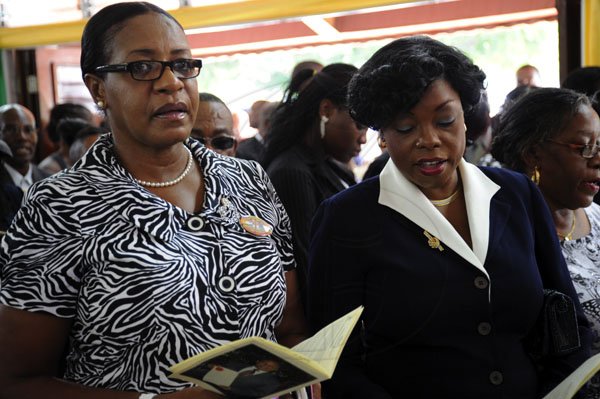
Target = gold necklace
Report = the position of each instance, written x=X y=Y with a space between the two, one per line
x=569 y=235
x=446 y=201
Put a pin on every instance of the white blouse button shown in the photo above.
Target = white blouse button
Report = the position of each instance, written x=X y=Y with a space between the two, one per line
x=226 y=284
x=195 y=223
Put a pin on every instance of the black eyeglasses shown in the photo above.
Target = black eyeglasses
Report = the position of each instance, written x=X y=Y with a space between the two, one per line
x=218 y=143
x=183 y=68
x=585 y=150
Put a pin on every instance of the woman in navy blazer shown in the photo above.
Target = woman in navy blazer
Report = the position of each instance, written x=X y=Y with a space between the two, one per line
x=448 y=259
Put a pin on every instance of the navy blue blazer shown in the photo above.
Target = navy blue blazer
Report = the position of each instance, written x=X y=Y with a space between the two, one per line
x=434 y=325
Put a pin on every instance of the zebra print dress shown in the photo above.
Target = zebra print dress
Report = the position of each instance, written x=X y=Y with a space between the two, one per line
x=146 y=283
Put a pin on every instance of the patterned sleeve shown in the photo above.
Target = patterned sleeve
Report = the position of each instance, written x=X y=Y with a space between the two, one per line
x=40 y=257
x=282 y=231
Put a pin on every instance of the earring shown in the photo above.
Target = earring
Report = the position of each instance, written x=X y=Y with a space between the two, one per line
x=381 y=142
x=535 y=176
x=100 y=104
x=324 y=120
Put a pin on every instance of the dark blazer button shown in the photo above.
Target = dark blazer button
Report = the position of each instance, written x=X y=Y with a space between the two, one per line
x=481 y=282
x=496 y=377
x=484 y=328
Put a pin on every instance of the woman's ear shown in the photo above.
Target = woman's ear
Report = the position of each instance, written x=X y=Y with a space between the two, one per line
x=326 y=107
x=95 y=86
x=531 y=157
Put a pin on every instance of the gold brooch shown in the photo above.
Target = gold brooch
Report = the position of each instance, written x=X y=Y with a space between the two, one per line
x=433 y=241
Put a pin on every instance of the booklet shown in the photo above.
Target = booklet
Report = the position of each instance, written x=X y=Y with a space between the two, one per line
x=573 y=383
x=258 y=368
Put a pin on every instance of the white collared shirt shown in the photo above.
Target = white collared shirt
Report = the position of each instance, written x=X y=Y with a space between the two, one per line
x=23 y=182
x=398 y=193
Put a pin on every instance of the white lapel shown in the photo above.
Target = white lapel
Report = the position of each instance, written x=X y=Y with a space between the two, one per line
x=404 y=197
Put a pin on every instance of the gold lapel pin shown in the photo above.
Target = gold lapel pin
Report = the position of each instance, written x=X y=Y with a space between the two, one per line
x=433 y=241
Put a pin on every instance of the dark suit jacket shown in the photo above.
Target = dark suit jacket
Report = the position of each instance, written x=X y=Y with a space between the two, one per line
x=11 y=196
x=376 y=166
x=10 y=199
x=251 y=149
x=438 y=324
x=303 y=178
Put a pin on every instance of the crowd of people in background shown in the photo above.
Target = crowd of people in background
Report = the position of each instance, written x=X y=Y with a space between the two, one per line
x=148 y=224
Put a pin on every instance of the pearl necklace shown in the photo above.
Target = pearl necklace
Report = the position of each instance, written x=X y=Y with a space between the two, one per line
x=168 y=183
x=569 y=235
x=445 y=201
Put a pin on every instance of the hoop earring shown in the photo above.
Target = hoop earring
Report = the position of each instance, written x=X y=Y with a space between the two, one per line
x=381 y=142
x=324 y=120
x=535 y=176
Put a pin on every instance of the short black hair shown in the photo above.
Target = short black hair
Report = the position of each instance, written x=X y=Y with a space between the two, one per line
x=66 y=110
x=69 y=127
x=539 y=115
x=101 y=29
x=394 y=79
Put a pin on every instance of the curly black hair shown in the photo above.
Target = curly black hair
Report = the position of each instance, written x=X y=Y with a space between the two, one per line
x=394 y=79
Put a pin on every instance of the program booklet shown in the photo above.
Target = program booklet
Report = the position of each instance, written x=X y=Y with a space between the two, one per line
x=258 y=368
x=573 y=383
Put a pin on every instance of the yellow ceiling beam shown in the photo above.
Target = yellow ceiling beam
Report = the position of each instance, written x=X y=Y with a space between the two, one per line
x=241 y=12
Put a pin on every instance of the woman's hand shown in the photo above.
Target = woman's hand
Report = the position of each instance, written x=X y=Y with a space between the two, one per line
x=191 y=393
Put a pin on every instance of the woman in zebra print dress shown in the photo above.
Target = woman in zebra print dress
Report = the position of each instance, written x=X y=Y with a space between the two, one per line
x=108 y=276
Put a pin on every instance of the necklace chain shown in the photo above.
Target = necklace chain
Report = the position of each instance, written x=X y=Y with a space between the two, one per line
x=168 y=183
x=569 y=235
x=446 y=201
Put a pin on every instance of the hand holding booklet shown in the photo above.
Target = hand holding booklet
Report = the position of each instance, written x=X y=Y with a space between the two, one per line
x=258 y=368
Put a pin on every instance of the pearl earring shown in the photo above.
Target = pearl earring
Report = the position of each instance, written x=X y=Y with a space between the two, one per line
x=324 y=120
x=100 y=104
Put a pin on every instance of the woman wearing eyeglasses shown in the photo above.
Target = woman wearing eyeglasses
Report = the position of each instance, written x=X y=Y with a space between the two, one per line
x=213 y=126
x=449 y=260
x=552 y=135
x=151 y=248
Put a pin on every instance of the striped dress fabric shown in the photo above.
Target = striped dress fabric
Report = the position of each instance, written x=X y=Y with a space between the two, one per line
x=145 y=283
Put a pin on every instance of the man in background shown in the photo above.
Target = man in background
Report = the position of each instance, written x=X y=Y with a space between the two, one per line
x=18 y=130
x=17 y=172
x=213 y=126
x=260 y=119
x=528 y=75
